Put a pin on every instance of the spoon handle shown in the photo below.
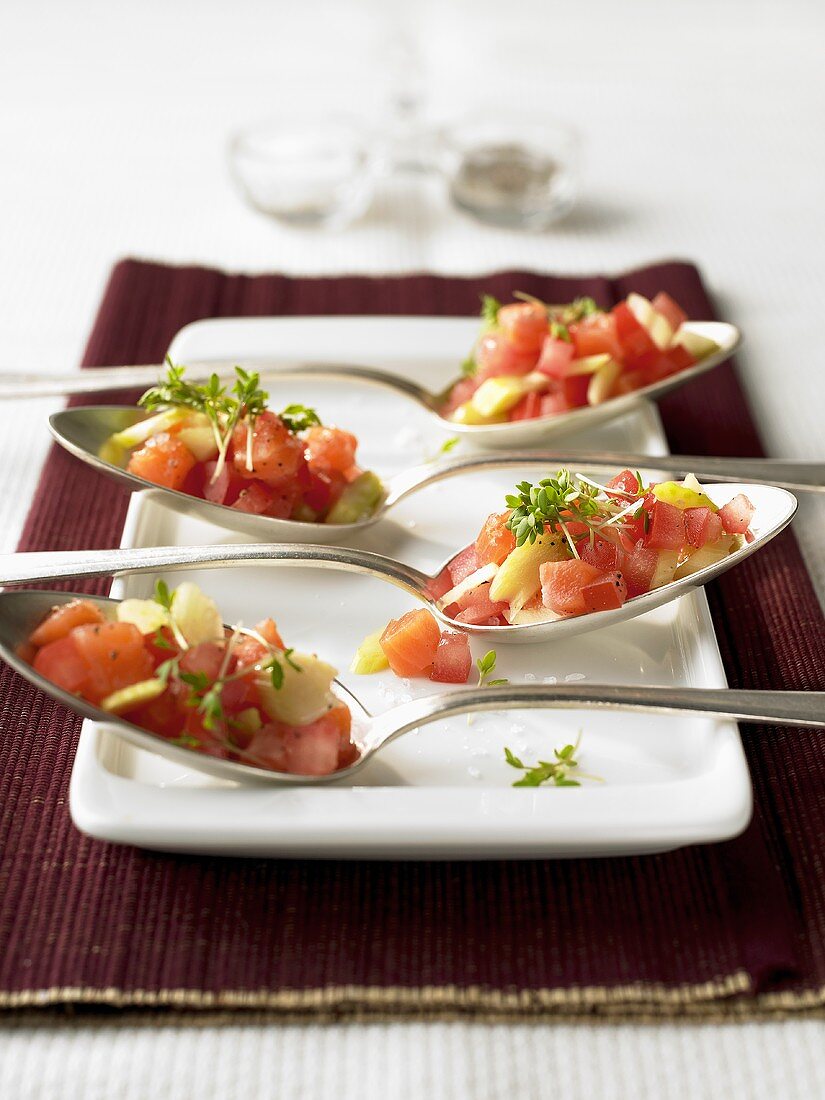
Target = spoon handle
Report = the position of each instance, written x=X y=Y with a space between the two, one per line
x=784 y=708
x=119 y=378
x=45 y=566
x=798 y=476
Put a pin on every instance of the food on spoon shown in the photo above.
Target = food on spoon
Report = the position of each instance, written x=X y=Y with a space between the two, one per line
x=569 y=546
x=170 y=666
x=535 y=360
x=414 y=645
x=228 y=448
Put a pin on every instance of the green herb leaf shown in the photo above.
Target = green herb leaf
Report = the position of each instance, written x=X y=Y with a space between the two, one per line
x=299 y=417
x=469 y=367
x=449 y=445
x=159 y=640
x=560 y=331
x=162 y=594
x=276 y=674
x=489 y=310
x=486 y=663
x=555 y=771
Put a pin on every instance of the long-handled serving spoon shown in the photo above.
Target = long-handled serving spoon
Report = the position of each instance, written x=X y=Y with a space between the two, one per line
x=20 y=612
x=774 y=510
x=493 y=436
x=83 y=431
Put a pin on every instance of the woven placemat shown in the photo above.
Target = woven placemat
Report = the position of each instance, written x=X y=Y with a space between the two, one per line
x=732 y=929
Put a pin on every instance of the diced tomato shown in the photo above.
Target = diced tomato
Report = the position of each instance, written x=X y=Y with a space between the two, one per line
x=410 y=643
x=630 y=380
x=562 y=583
x=226 y=486
x=277 y=454
x=330 y=449
x=267 y=629
x=163 y=460
x=475 y=606
x=638 y=566
x=702 y=526
x=267 y=747
x=525 y=325
x=64 y=618
x=240 y=694
x=320 y=489
x=680 y=357
x=606 y=594
x=453 y=659
x=284 y=497
x=596 y=335
x=667 y=527
x=556 y=357
x=632 y=336
x=61 y=662
x=495 y=540
x=160 y=645
x=737 y=514
x=554 y=403
x=599 y=553
x=441 y=584
x=574 y=388
x=495 y=355
x=463 y=564
x=625 y=482
x=206 y=657
x=653 y=366
x=115 y=657
x=528 y=408
x=165 y=715
x=313 y=749
x=255 y=498
x=461 y=392
x=670 y=310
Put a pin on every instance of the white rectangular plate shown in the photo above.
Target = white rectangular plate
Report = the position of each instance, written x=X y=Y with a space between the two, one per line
x=443 y=792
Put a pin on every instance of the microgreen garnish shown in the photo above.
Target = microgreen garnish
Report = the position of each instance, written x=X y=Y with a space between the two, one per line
x=299 y=417
x=469 y=367
x=485 y=666
x=567 y=498
x=578 y=309
x=489 y=310
x=555 y=771
x=449 y=445
x=159 y=640
x=186 y=741
x=276 y=670
x=560 y=331
x=162 y=594
x=224 y=409
x=164 y=672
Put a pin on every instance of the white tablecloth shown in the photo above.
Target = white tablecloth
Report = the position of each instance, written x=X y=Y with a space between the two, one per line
x=704 y=140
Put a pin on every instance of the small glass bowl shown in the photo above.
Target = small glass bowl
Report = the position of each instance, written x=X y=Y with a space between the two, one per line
x=306 y=171
x=518 y=172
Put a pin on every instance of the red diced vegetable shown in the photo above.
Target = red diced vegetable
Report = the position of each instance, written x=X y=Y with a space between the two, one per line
x=453 y=659
x=737 y=514
x=667 y=527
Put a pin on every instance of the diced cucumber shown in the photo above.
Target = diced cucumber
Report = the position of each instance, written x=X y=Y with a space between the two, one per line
x=665 y=570
x=111 y=452
x=496 y=396
x=700 y=347
x=248 y=720
x=709 y=554
x=603 y=381
x=134 y=695
x=201 y=441
x=196 y=615
x=147 y=615
x=469 y=414
x=591 y=364
x=370 y=657
x=657 y=326
x=140 y=432
x=304 y=514
x=358 y=501
x=686 y=494
x=480 y=576
x=517 y=579
x=304 y=694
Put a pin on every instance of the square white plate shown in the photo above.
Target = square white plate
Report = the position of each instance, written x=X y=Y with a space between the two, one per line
x=443 y=792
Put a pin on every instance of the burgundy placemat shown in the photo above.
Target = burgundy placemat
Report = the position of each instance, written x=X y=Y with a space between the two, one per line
x=729 y=929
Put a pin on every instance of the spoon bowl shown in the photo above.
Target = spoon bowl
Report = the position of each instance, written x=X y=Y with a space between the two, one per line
x=536 y=432
x=775 y=509
x=82 y=431
x=20 y=612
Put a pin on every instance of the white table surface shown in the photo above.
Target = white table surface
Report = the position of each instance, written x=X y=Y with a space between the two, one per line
x=704 y=140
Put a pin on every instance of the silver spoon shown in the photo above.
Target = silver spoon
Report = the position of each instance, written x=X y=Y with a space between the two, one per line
x=82 y=431
x=775 y=505
x=20 y=612
x=492 y=436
